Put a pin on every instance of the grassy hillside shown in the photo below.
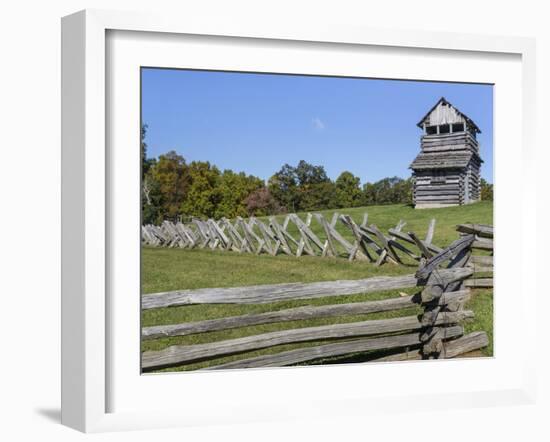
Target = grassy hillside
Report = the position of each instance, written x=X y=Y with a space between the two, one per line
x=385 y=217
x=173 y=269
x=177 y=269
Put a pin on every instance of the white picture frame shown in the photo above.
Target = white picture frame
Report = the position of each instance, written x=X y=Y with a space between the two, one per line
x=87 y=211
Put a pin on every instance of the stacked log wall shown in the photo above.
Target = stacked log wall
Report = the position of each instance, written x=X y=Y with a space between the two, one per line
x=475 y=180
x=428 y=191
x=446 y=186
x=449 y=142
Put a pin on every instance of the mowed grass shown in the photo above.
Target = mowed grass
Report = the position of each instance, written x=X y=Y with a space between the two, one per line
x=386 y=217
x=178 y=269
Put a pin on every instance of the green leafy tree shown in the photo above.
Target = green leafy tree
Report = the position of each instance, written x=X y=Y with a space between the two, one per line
x=392 y=190
x=308 y=174
x=348 y=190
x=204 y=193
x=283 y=186
x=146 y=163
x=369 y=195
x=171 y=174
x=316 y=190
x=402 y=191
x=150 y=189
x=486 y=190
x=233 y=189
x=318 y=196
x=152 y=212
x=304 y=187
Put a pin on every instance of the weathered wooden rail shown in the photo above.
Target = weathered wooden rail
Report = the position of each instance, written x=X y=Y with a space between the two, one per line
x=262 y=294
x=293 y=236
x=481 y=264
x=368 y=244
x=294 y=314
x=444 y=280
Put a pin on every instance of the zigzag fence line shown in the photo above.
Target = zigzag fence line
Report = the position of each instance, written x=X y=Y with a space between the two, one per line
x=437 y=332
x=367 y=242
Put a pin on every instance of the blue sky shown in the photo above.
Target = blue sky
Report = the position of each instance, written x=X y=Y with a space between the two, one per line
x=257 y=122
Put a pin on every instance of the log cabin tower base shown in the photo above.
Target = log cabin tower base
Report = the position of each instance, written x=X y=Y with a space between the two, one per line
x=446 y=172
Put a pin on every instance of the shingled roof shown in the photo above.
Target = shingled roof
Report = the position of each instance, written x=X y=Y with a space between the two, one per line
x=435 y=160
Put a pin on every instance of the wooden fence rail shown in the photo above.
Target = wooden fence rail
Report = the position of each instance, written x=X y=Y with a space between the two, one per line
x=483 y=240
x=293 y=236
x=293 y=314
x=262 y=294
x=444 y=278
x=453 y=348
x=336 y=349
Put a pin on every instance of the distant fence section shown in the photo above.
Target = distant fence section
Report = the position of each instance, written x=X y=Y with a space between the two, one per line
x=444 y=278
x=296 y=237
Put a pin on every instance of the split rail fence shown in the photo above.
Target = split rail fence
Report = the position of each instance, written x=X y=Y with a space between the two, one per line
x=444 y=279
x=367 y=242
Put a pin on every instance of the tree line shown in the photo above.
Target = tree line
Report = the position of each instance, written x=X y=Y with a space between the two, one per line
x=486 y=190
x=174 y=189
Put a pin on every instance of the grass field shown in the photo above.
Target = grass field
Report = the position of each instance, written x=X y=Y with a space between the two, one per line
x=174 y=269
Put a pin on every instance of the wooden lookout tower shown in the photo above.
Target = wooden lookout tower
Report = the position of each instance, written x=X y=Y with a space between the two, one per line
x=446 y=172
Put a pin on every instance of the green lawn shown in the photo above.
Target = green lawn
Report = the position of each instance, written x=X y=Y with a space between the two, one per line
x=386 y=217
x=173 y=269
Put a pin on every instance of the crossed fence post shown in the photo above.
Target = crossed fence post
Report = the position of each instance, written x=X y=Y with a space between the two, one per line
x=438 y=310
x=273 y=237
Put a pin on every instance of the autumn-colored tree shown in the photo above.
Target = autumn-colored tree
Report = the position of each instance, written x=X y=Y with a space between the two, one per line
x=262 y=203
x=173 y=189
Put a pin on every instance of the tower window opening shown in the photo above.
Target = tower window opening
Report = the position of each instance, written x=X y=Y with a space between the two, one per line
x=431 y=130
